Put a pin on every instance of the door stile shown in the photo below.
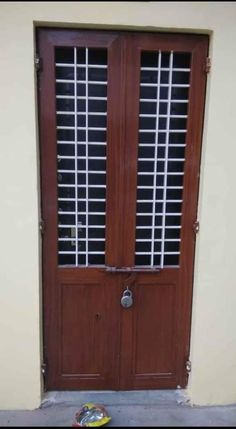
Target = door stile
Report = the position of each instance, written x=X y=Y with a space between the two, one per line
x=114 y=186
x=131 y=120
x=115 y=148
x=129 y=182
x=48 y=155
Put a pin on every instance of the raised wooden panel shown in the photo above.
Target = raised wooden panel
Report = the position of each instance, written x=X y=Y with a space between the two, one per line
x=154 y=329
x=88 y=330
x=84 y=321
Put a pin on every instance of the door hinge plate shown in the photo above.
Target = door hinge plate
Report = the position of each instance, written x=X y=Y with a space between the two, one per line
x=43 y=368
x=196 y=227
x=42 y=226
x=188 y=366
x=37 y=63
x=208 y=65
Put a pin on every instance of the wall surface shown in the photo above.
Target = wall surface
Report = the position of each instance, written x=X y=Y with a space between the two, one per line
x=213 y=339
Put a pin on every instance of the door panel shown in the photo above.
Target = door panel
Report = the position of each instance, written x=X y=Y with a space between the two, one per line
x=86 y=326
x=83 y=307
x=154 y=328
x=120 y=117
x=152 y=332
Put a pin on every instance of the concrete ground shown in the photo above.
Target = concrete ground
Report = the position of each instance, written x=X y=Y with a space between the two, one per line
x=136 y=408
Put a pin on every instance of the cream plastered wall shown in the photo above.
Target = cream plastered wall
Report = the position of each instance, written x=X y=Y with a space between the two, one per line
x=213 y=336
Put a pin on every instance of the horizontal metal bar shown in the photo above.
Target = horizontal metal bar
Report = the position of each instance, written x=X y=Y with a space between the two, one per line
x=84 y=171
x=159 y=201
x=97 y=66
x=63 y=127
x=65 y=142
x=150 y=173
x=153 y=115
x=80 y=253
x=131 y=270
x=81 y=97
x=93 y=82
x=82 y=226
x=158 y=159
x=163 y=131
x=99 y=158
x=157 y=253
x=81 y=142
x=157 y=214
x=161 y=145
x=98 y=200
x=159 y=227
x=81 y=213
x=166 y=85
x=153 y=100
x=175 y=69
x=156 y=240
x=65 y=186
x=80 y=239
x=61 y=112
x=159 y=187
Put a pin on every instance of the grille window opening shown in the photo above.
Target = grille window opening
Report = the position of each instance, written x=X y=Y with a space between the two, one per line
x=81 y=119
x=163 y=114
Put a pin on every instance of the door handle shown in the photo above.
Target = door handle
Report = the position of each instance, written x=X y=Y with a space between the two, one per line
x=111 y=269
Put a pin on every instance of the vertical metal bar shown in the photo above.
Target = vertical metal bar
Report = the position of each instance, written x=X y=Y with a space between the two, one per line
x=86 y=140
x=76 y=170
x=155 y=158
x=166 y=159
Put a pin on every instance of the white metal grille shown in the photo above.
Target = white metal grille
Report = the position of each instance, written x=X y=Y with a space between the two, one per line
x=164 y=87
x=81 y=99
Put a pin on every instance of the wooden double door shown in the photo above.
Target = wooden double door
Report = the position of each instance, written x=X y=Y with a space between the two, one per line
x=120 y=117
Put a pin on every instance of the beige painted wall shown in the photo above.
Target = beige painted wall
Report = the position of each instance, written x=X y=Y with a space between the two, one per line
x=213 y=339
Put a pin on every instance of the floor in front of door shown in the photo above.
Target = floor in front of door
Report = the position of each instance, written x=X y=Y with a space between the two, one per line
x=126 y=408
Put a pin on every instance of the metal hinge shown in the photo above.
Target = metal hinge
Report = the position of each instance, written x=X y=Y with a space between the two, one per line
x=42 y=226
x=43 y=368
x=208 y=65
x=37 y=63
x=188 y=366
x=196 y=227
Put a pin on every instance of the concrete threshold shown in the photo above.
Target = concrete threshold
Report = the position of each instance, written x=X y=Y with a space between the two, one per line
x=126 y=408
x=126 y=397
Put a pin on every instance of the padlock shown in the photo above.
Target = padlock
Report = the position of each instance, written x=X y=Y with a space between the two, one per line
x=127 y=298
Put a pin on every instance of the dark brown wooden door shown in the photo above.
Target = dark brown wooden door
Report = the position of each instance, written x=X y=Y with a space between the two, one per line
x=120 y=119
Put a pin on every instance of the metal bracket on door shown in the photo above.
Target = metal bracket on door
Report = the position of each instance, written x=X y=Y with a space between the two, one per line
x=111 y=269
x=130 y=279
